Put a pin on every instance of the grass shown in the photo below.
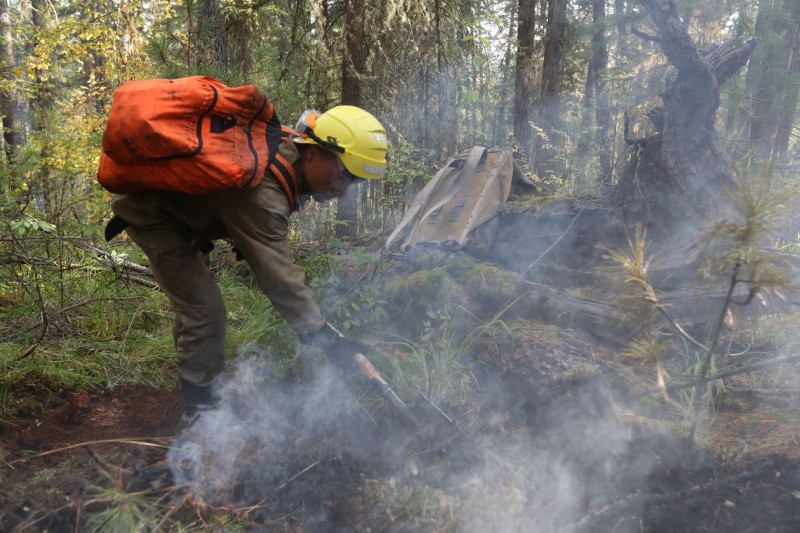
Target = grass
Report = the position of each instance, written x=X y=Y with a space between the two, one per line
x=119 y=333
x=103 y=331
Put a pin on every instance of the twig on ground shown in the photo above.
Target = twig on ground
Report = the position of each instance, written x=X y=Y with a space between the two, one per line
x=726 y=374
x=111 y=259
x=104 y=464
x=44 y=322
x=297 y=475
x=139 y=442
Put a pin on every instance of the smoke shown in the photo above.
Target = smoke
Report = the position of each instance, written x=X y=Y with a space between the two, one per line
x=546 y=468
x=574 y=458
x=550 y=466
x=261 y=418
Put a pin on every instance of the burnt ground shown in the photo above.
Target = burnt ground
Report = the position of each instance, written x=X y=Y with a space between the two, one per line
x=628 y=476
x=556 y=439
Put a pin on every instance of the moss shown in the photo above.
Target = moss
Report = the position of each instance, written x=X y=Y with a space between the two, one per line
x=418 y=290
x=491 y=285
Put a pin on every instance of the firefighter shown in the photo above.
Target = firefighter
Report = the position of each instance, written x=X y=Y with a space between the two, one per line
x=329 y=152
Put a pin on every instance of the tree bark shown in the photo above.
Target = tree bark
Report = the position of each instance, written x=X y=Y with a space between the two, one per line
x=212 y=25
x=447 y=116
x=12 y=129
x=499 y=134
x=769 y=60
x=353 y=64
x=595 y=97
x=679 y=174
x=790 y=100
x=241 y=58
x=525 y=77
x=549 y=106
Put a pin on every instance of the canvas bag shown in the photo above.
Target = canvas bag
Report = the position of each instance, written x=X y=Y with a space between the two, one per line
x=458 y=208
x=194 y=135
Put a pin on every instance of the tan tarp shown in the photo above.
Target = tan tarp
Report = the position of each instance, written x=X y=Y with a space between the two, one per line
x=458 y=208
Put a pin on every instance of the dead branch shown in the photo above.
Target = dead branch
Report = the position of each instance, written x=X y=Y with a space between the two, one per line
x=44 y=322
x=141 y=281
x=725 y=374
x=728 y=58
x=644 y=36
x=114 y=261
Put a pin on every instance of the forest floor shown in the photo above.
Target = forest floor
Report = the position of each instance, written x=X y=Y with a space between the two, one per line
x=650 y=480
x=556 y=437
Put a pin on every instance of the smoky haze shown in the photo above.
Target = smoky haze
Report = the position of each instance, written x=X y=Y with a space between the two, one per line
x=271 y=441
x=556 y=448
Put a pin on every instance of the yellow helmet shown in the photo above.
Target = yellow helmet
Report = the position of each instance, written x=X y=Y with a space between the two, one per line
x=352 y=133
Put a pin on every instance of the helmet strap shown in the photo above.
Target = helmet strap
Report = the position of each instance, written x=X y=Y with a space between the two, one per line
x=325 y=144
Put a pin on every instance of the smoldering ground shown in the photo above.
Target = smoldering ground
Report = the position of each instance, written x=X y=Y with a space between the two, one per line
x=275 y=446
x=553 y=446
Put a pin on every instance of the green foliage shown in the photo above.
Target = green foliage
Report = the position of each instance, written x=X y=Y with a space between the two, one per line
x=737 y=255
x=123 y=511
x=349 y=298
x=636 y=299
x=757 y=212
x=29 y=224
x=692 y=363
x=251 y=317
x=436 y=364
x=363 y=308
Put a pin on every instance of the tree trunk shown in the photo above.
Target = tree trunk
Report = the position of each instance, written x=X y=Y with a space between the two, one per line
x=620 y=18
x=447 y=116
x=679 y=173
x=525 y=77
x=769 y=61
x=792 y=92
x=595 y=97
x=353 y=62
x=499 y=133
x=240 y=54
x=12 y=129
x=212 y=25
x=40 y=103
x=547 y=148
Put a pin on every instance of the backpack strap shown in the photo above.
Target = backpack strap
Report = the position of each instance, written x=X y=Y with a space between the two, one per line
x=278 y=166
x=115 y=226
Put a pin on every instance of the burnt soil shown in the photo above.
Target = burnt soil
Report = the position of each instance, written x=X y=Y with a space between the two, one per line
x=326 y=486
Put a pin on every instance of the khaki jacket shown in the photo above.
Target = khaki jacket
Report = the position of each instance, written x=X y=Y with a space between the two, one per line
x=257 y=220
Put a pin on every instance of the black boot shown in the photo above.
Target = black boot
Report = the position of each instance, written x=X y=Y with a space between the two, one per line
x=196 y=399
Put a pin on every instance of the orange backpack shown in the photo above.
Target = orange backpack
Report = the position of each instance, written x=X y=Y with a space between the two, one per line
x=193 y=135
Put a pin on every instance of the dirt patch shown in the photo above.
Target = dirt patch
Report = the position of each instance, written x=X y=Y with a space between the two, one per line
x=53 y=461
x=123 y=412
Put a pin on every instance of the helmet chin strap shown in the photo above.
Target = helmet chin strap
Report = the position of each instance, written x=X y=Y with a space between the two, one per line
x=325 y=144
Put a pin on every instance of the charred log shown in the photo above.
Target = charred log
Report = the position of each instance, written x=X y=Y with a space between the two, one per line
x=679 y=174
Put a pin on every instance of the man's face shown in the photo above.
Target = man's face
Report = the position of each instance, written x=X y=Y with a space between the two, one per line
x=324 y=174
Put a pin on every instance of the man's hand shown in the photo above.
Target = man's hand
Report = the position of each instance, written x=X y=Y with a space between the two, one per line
x=339 y=349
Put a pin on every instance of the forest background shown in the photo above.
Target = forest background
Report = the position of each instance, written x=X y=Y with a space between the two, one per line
x=554 y=79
